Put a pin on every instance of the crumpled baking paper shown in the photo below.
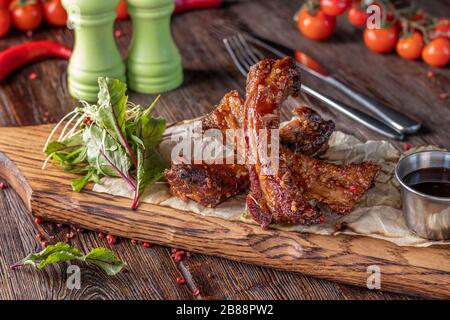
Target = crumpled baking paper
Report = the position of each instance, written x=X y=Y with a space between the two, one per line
x=378 y=214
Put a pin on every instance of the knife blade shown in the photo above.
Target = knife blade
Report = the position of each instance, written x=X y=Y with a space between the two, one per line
x=394 y=119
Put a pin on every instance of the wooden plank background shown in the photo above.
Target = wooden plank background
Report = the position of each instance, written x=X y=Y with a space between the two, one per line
x=209 y=73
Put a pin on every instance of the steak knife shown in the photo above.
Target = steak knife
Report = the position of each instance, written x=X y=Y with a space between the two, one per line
x=396 y=120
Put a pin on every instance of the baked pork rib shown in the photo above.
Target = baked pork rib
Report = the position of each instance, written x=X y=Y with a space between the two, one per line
x=212 y=184
x=302 y=140
x=273 y=197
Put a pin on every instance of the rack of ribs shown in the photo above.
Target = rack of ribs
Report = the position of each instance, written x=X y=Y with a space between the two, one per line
x=212 y=184
x=302 y=140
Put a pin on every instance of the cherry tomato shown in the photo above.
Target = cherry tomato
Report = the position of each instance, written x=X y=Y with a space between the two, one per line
x=54 y=12
x=437 y=52
x=357 y=17
x=5 y=21
x=381 y=40
x=334 y=8
x=318 y=26
x=410 y=47
x=4 y=3
x=122 y=12
x=26 y=16
x=443 y=28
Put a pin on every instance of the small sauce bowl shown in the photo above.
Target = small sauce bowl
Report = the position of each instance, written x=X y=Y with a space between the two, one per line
x=427 y=215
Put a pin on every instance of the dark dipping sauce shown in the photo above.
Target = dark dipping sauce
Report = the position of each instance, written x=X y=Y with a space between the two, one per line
x=431 y=181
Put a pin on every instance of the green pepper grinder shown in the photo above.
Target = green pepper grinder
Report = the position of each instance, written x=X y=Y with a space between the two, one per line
x=95 y=53
x=154 y=63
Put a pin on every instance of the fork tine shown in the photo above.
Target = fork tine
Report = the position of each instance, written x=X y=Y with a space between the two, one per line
x=241 y=52
x=248 y=49
x=236 y=61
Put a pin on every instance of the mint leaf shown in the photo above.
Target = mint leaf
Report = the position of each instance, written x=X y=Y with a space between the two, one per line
x=104 y=258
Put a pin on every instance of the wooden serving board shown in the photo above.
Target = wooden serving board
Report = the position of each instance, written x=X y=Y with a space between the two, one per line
x=417 y=271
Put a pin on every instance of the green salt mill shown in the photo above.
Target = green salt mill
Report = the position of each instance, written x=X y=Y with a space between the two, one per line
x=154 y=63
x=95 y=53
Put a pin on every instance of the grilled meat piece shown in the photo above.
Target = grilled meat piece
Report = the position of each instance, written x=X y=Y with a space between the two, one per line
x=227 y=115
x=274 y=197
x=207 y=184
x=211 y=184
x=339 y=187
x=218 y=183
x=308 y=133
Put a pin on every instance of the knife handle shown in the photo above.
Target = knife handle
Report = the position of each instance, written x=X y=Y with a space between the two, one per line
x=396 y=120
x=361 y=117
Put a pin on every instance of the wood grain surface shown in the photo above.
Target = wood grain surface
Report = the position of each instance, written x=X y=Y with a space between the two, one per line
x=208 y=74
x=47 y=194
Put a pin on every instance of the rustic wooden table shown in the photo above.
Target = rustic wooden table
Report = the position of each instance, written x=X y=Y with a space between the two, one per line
x=209 y=73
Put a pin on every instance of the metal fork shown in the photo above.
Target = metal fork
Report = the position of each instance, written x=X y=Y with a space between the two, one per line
x=244 y=55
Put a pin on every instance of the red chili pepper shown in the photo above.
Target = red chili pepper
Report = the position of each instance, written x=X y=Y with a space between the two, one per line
x=22 y=54
x=186 y=5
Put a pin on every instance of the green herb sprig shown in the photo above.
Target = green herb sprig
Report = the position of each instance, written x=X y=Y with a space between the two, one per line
x=103 y=258
x=113 y=138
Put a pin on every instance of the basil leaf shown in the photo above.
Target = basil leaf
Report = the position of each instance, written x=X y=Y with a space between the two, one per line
x=61 y=252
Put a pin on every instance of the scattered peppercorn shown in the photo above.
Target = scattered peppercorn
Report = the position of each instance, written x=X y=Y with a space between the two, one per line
x=181 y=280
x=101 y=236
x=32 y=76
x=178 y=256
x=3 y=186
x=430 y=74
x=70 y=235
x=112 y=240
x=40 y=237
x=406 y=146
x=443 y=96
x=59 y=225
x=196 y=292
x=352 y=189
x=174 y=250
x=80 y=230
x=38 y=220
x=146 y=244
x=134 y=242
x=44 y=244
x=210 y=275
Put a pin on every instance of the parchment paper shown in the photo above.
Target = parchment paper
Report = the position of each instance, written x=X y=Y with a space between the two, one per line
x=378 y=215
